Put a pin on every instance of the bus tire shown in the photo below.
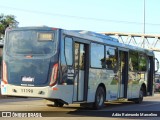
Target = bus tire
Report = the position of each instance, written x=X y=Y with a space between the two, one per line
x=58 y=104
x=140 y=99
x=99 y=98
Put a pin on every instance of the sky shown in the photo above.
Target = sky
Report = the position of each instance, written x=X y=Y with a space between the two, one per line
x=93 y=15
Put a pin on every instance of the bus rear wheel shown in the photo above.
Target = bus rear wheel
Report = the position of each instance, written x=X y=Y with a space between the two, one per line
x=99 y=98
x=58 y=104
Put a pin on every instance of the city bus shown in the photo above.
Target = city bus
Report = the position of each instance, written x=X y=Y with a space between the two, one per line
x=74 y=66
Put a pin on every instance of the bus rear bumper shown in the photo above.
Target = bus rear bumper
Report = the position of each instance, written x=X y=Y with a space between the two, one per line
x=46 y=92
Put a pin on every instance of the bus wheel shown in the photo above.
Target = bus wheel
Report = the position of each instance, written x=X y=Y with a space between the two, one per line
x=99 y=98
x=140 y=99
x=58 y=104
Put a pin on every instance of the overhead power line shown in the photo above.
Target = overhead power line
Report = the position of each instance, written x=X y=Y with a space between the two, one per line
x=76 y=17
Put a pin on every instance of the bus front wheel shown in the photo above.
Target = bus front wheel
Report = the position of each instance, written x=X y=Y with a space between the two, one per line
x=140 y=99
x=99 y=98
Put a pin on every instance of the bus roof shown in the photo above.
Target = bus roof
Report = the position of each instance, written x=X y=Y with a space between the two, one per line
x=97 y=37
x=33 y=28
x=91 y=36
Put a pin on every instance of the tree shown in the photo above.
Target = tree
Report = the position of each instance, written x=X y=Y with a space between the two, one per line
x=7 y=21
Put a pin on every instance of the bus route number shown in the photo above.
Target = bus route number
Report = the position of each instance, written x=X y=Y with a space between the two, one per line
x=27 y=90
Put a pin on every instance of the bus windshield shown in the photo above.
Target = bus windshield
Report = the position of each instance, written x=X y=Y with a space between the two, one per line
x=32 y=42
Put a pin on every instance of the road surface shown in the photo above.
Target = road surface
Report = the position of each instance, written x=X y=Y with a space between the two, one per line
x=150 y=106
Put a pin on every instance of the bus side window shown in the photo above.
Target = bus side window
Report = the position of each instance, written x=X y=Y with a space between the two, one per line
x=68 y=47
x=111 y=58
x=97 y=55
x=68 y=51
x=133 y=61
x=142 y=63
x=66 y=60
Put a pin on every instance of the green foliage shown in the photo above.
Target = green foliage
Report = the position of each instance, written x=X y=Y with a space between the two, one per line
x=7 y=21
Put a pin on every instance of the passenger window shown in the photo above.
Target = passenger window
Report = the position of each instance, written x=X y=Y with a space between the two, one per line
x=97 y=55
x=133 y=61
x=69 y=51
x=111 y=58
x=63 y=60
x=142 y=63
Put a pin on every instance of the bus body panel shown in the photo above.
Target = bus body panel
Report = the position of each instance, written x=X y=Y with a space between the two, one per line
x=133 y=84
x=139 y=79
x=108 y=78
x=47 y=92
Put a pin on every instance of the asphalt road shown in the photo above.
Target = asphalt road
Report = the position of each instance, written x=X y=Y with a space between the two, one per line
x=113 y=110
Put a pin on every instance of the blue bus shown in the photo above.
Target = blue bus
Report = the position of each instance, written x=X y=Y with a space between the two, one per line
x=67 y=66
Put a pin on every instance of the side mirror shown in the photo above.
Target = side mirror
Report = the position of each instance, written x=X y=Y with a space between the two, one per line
x=156 y=65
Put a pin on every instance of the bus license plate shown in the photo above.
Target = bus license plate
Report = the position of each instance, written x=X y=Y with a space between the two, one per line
x=27 y=90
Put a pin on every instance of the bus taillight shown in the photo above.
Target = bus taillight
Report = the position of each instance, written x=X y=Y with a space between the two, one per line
x=54 y=74
x=4 y=72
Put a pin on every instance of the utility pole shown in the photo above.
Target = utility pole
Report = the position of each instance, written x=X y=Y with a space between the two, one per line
x=144 y=13
x=144 y=17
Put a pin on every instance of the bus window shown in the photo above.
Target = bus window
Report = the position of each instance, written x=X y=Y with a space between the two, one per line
x=111 y=58
x=68 y=51
x=66 y=59
x=133 y=61
x=97 y=55
x=30 y=42
x=142 y=63
x=63 y=60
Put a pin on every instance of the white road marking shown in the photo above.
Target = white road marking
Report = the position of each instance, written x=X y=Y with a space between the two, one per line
x=150 y=104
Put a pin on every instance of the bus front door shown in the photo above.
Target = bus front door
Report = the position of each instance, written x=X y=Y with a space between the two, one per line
x=81 y=72
x=123 y=76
